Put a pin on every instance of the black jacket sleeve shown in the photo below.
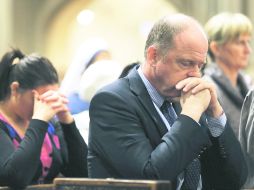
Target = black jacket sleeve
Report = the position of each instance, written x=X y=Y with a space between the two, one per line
x=223 y=164
x=18 y=166
x=76 y=163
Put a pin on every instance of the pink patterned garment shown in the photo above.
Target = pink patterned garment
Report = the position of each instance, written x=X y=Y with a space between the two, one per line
x=46 y=150
x=46 y=160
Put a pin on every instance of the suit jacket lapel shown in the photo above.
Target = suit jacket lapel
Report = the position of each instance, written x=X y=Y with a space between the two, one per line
x=137 y=86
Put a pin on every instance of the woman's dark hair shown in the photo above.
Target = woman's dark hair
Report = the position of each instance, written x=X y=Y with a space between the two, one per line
x=29 y=71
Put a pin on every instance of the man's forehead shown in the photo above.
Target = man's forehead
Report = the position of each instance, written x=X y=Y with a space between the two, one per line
x=189 y=54
x=191 y=38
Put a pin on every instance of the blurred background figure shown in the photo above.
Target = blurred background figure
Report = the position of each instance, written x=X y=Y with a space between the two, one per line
x=92 y=50
x=229 y=35
x=96 y=76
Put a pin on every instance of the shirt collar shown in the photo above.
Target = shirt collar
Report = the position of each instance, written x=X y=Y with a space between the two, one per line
x=154 y=94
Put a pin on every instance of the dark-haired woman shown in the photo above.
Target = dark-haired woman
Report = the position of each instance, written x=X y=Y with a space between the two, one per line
x=38 y=137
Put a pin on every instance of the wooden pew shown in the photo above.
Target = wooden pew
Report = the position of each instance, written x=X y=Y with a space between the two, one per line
x=34 y=187
x=4 y=188
x=109 y=184
x=100 y=184
x=41 y=187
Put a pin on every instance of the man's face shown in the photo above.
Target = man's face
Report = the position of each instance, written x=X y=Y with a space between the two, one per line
x=184 y=60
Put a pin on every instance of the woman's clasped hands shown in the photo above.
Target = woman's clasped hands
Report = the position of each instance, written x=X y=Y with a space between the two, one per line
x=49 y=104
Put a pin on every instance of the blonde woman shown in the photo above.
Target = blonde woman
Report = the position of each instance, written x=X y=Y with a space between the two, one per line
x=229 y=35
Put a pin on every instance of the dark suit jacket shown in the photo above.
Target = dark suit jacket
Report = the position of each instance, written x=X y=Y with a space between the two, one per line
x=129 y=140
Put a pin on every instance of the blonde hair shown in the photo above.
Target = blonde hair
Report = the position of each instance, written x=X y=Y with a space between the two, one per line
x=225 y=27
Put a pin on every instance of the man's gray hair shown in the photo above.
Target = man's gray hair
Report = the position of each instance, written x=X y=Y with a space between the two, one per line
x=164 y=30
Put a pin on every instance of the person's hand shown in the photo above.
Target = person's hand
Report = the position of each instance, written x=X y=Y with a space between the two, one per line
x=42 y=109
x=58 y=102
x=49 y=104
x=193 y=105
x=64 y=116
x=195 y=85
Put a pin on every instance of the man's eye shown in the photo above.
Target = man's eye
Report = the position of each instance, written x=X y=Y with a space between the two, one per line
x=186 y=63
x=191 y=64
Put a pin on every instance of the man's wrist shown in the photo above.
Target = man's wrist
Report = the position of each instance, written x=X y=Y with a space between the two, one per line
x=194 y=114
x=215 y=112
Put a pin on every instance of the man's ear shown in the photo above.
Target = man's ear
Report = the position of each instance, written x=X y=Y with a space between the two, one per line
x=14 y=88
x=152 y=55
